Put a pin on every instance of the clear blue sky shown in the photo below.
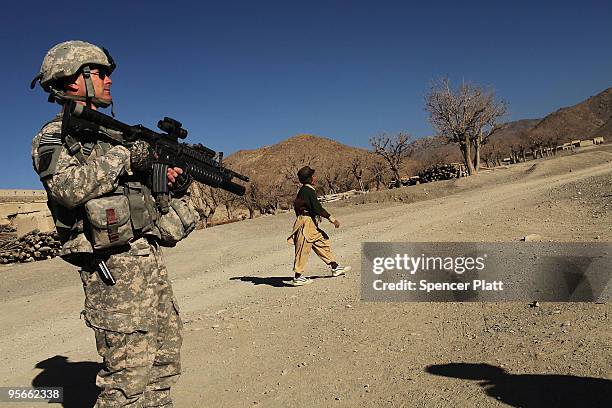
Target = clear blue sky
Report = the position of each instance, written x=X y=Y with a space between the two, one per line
x=244 y=74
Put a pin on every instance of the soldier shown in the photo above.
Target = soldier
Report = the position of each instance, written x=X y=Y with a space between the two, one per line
x=306 y=234
x=107 y=219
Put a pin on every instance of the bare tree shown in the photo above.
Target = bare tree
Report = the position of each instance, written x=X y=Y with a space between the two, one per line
x=522 y=152
x=254 y=199
x=393 y=149
x=335 y=179
x=492 y=153
x=248 y=201
x=274 y=195
x=229 y=201
x=537 y=142
x=205 y=200
x=466 y=116
x=514 y=154
x=378 y=170
x=357 y=170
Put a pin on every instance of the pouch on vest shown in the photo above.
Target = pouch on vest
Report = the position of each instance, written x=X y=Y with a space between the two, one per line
x=109 y=224
x=177 y=223
x=142 y=207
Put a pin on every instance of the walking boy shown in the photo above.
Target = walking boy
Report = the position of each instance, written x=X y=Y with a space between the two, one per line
x=306 y=234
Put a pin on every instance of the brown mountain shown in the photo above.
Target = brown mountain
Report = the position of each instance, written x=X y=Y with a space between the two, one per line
x=590 y=118
x=273 y=164
x=516 y=129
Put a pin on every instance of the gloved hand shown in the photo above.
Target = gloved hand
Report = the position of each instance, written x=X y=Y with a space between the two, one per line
x=182 y=183
x=141 y=156
x=179 y=181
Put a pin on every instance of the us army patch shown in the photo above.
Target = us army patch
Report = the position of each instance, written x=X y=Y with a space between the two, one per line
x=51 y=139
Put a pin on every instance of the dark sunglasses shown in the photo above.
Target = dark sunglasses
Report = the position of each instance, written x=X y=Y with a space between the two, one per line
x=101 y=73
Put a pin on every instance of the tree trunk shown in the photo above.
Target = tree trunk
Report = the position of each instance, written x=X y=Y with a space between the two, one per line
x=396 y=174
x=466 y=150
x=477 y=157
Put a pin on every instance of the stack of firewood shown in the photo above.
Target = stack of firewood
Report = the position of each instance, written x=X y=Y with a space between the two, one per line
x=34 y=246
x=7 y=233
x=439 y=172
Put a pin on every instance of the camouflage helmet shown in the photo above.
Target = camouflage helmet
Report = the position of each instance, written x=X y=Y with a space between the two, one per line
x=67 y=59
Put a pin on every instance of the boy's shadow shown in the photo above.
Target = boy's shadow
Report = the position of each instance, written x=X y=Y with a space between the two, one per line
x=77 y=379
x=532 y=390
x=274 y=281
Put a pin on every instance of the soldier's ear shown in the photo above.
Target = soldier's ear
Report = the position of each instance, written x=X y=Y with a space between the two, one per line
x=72 y=87
x=73 y=84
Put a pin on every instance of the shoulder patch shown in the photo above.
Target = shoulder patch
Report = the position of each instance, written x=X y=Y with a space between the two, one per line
x=47 y=160
x=51 y=139
x=44 y=161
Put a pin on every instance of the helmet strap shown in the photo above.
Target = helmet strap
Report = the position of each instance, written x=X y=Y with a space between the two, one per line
x=90 y=92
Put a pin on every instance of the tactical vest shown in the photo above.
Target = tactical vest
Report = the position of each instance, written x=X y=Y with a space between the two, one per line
x=104 y=223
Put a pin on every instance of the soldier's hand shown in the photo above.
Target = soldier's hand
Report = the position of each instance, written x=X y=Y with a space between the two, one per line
x=336 y=223
x=141 y=156
x=173 y=173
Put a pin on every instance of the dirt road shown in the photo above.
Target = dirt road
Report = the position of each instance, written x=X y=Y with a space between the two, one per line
x=250 y=341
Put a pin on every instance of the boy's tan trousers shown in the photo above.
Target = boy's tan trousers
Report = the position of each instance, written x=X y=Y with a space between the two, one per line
x=306 y=236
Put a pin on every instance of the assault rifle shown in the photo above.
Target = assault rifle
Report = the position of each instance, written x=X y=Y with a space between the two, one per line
x=200 y=162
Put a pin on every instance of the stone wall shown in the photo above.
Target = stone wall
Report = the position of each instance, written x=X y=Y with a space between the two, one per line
x=25 y=210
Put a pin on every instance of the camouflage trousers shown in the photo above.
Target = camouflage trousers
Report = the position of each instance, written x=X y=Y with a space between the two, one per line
x=137 y=328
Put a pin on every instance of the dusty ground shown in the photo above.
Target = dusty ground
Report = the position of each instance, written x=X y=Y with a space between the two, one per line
x=250 y=341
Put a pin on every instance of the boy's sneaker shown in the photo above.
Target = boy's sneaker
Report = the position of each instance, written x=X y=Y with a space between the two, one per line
x=301 y=281
x=340 y=270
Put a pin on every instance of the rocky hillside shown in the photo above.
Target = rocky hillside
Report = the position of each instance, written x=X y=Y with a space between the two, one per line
x=590 y=118
x=271 y=164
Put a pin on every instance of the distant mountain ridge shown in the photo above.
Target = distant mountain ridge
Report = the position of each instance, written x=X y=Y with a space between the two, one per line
x=587 y=119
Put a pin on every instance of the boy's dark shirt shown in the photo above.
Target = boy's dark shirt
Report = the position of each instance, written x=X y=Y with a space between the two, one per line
x=306 y=203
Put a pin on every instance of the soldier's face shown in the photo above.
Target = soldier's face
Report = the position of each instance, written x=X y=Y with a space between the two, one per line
x=101 y=83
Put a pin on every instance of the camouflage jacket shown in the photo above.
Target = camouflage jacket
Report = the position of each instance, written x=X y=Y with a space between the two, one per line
x=70 y=184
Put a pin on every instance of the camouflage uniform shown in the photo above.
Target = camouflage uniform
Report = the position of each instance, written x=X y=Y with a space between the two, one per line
x=136 y=321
